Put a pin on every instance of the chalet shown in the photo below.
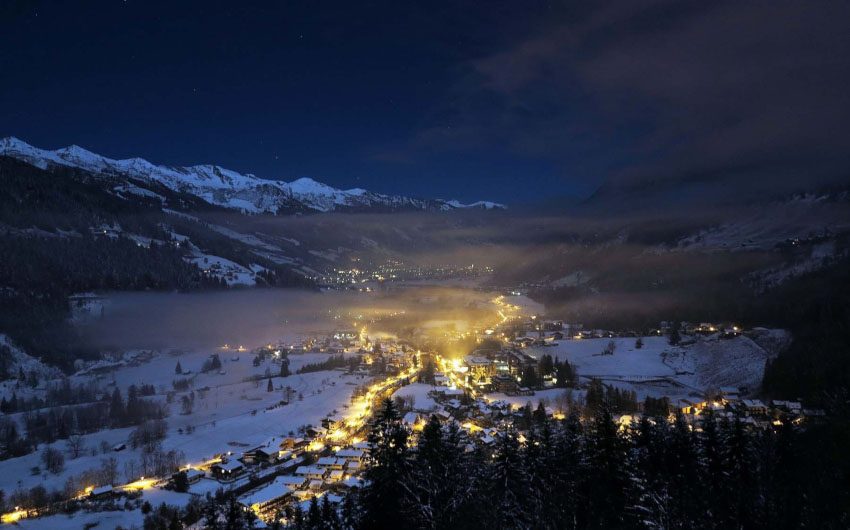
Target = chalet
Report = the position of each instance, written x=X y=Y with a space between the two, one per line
x=353 y=467
x=331 y=422
x=453 y=404
x=314 y=432
x=755 y=406
x=478 y=366
x=350 y=455
x=793 y=407
x=291 y=481
x=260 y=455
x=291 y=443
x=310 y=472
x=227 y=470
x=102 y=492
x=505 y=383
x=515 y=361
x=270 y=498
x=352 y=482
x=192 y=475
x=448 y=392
x=336 y=475
x=330 y=462
x=443 y=414
x=553 y=325
x=316 y=485
x=411 y=418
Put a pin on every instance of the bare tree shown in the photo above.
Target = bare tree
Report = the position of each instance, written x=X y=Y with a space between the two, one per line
x=109 y=470
x=186 y=405
x=76 y=446
x=53 y=460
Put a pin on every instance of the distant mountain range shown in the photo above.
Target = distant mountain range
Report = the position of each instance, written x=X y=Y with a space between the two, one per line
x=226 y=188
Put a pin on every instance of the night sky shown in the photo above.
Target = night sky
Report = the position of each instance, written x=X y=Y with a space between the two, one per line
x=514 y=102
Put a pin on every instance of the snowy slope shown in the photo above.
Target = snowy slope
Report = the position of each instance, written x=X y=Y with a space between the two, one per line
x=711 y=362
x=227 y=188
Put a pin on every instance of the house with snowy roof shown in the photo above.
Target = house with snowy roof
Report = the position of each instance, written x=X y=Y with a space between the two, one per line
x=226 y=471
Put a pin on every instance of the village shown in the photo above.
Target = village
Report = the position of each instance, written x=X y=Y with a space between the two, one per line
x=494 y=386
x=365 y=276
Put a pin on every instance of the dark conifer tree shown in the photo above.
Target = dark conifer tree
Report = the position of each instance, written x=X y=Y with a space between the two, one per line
x=569 y=466
x=606 y=483
x=742 y=468
x=313 y=519
x=330 y=516
x=388 y=466
x=117 y=414
x=539 y=415
x=507 y=487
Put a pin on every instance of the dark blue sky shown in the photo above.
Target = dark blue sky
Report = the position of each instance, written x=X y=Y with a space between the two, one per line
x=471 y=100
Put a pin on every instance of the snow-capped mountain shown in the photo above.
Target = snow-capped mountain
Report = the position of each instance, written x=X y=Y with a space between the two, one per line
x=229 y=189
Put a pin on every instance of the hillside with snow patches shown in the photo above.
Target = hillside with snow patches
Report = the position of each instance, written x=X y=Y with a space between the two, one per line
x=226 y=188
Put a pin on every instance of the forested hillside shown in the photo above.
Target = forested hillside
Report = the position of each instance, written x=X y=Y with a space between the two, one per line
x=68 y=232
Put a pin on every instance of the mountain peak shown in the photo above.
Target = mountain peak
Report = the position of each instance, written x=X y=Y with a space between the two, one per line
x=227 y=188
x=12 y=141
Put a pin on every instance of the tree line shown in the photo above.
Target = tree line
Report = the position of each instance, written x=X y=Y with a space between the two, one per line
x=574 y=474
x=61 y=422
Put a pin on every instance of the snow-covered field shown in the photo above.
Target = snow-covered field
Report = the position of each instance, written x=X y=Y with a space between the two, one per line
x=419 y=392
x=232 y=414
x=658 y=369
x=548 y=397
x=230 y=271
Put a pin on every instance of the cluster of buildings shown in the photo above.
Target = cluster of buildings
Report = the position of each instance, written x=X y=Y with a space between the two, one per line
x=725 y=329
x=754 y=412
x=360 y=276
x=326 y=475
x=326 y=459
x=497 y=370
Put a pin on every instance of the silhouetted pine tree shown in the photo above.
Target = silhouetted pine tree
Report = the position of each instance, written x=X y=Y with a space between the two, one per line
x=507 y=485
x=606 y=483
x=117 y=413
x=440 y=481
x=381 y=499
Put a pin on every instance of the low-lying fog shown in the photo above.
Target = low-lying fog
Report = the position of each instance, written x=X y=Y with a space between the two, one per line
x=253 y=317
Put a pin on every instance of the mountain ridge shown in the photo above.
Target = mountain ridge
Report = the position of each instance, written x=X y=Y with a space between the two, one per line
x=230 y=189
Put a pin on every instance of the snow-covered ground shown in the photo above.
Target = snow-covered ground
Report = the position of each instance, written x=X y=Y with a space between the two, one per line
x=549 y=397
x=21 y=361
x=419 y=392
x=123 y=519
x=231 y=415
x=658 y=369
x=230 y=271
